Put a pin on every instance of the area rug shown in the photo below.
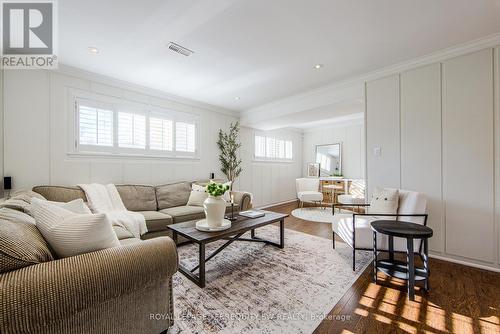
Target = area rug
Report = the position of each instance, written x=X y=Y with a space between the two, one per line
x=257 y=288
x=319 y=215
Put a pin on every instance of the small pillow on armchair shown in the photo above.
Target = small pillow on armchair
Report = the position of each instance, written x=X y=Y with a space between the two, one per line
x=384 y=201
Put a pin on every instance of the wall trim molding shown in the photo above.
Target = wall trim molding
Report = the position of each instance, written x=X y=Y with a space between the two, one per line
x=266 y=206
x=125 y=85
x=463 y=262
x=269 y=109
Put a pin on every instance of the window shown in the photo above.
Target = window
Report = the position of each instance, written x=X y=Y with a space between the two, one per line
x=160 y=134
x=131 y=130
x=114 y=129
x=184 y=137
x=96 y=126
x=288 y=150
x=260 y=147
x=271 y=148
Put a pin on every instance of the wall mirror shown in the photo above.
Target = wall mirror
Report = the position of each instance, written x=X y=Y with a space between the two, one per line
x=330 y=159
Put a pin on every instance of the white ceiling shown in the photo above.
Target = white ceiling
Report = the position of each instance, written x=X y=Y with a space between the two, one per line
x=260 y=50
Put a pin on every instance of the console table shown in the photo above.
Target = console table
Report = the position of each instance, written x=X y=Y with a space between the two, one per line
x=399 y=269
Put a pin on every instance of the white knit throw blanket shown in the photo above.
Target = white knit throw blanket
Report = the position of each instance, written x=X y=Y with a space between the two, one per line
x=106 y=199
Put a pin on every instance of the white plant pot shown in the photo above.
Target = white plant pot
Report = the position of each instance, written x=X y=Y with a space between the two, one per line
x=215 y=208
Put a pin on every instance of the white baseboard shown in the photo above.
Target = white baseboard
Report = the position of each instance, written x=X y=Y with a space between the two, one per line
x=276 y=204
x=465 y=263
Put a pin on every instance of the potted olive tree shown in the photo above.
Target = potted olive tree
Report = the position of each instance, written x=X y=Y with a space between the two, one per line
x=229 y=144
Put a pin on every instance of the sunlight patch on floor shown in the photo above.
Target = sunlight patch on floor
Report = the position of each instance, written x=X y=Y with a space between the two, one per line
x=436 y=318
x=461 y=323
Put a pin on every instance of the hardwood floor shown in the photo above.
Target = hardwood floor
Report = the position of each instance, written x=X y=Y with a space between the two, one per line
x=461 y=300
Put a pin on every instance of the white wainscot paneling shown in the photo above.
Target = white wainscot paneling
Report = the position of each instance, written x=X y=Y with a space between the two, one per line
x=106 y=172
x=26 y=126
x=421 y=142
x=382 y=119
x=468 y=157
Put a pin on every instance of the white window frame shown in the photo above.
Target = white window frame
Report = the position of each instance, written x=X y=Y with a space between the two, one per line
x=116 y=105
x=276 y=139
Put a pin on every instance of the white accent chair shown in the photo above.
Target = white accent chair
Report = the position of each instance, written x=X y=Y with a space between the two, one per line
x=356 y=193
x=355 y=229
x=308 y=191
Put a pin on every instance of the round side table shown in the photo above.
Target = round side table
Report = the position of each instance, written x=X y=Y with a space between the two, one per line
x=403 y=270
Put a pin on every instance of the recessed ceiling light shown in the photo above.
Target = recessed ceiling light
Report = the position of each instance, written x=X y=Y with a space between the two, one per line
x=93 y=50
x=318 y=66
x=237 y=98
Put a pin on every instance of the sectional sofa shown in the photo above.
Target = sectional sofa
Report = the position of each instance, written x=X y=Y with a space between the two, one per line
x=161 y=205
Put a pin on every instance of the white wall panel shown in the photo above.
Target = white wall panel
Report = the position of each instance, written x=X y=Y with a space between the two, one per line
x=468 y=157
x=382 y=121
x=497 y=148
x=26 y=127
x=421 y=142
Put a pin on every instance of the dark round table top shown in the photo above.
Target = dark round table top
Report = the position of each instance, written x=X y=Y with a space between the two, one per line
x=401 y=229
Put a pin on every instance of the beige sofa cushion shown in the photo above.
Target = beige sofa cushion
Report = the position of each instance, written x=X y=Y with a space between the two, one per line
x=156 y=221
x=172 y=195
x=129 y=241
x=122 y=233
x=185 y=213
x=21 y=244
x=60 y=194
x=138 y=197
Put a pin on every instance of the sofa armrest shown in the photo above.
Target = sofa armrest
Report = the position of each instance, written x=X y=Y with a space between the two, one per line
x=49 y=292
x=243 y=199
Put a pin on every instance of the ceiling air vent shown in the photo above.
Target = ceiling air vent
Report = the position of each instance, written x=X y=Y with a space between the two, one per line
x=179 y=49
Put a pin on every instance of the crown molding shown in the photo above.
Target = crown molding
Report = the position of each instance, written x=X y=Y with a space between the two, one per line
x=121 y=84
x=270 y=109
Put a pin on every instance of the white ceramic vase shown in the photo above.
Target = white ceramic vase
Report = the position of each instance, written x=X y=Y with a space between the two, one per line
x=215 y=208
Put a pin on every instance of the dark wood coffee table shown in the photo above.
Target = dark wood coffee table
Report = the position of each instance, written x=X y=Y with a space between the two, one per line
x=238 y=228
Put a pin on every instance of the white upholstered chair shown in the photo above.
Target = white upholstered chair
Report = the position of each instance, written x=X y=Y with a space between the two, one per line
x=356 y=194
x=355 y=229
x=308 y=190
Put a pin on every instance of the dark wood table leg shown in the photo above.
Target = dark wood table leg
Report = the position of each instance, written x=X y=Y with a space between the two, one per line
x=174 y=237
x=252 y=233
x=411 y=268
x=426 y=265
x=282 y=233
x=391 y=248
x=374 y=257
x=201 y=270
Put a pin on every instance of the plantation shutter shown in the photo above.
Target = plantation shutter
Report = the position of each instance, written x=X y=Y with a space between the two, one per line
x=160 y=134
x=95 y=126
x=131 y=130
x=288 y=150
x=185 y=140
x=260 y=146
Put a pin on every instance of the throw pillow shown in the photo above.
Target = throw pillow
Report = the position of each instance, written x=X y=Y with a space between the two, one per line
x=384 y=201
x=21 y=244
x=197 y=196
x=71 y=234
x=75 y=206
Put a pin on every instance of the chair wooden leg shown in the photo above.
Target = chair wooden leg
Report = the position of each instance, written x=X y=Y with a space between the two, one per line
x=333 y=237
